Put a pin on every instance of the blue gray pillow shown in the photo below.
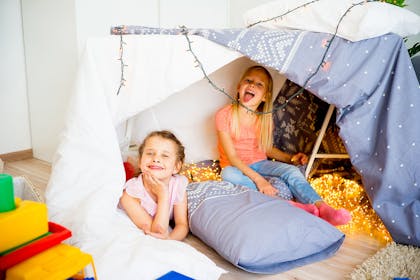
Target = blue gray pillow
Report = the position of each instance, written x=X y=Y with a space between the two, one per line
x=280 y=185
x=255 y=232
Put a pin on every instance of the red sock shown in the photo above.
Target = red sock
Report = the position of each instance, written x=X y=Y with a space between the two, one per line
x=310 y=208
x=334 y=216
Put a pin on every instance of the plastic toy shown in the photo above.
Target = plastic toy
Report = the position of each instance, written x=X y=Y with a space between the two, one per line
x=7 y=200
x=27 y=222
x=59 y=262
x=30 y=246
x=56 y=234
x=173 y=275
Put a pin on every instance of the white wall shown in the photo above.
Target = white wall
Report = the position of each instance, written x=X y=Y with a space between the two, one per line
x=95 y=17
x=194 y=13
x=51 y=63
x=55 y=32
x=14 y=114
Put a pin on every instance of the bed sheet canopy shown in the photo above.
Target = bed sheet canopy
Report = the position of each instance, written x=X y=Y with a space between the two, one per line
x=371 y=83
x=375 y=90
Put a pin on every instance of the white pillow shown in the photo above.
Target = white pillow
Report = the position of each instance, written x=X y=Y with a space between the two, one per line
x=368 y=20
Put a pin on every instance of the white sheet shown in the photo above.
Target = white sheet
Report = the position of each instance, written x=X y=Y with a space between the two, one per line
x=87 y=172
x=363 y=21
x=190 y=113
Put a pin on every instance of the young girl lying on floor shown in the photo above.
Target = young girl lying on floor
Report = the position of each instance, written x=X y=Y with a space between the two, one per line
x=158 y=194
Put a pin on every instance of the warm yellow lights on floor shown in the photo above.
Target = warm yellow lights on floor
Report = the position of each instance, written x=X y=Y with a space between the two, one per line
x=334 y=189
x=204 y=171
x=348 y=194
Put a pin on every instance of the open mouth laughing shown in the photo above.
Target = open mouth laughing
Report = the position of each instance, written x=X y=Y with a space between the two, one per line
x=248 y=96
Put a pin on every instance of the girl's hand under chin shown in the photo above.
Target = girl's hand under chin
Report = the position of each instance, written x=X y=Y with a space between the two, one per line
x=156 y=186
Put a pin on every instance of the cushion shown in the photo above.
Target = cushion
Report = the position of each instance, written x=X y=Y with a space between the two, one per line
x=129 y=170
x=281 y=186
x=255 y=232
x=371 y=19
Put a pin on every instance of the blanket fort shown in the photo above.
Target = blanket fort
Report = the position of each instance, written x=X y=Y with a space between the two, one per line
x=373 y=86
x=371 y=82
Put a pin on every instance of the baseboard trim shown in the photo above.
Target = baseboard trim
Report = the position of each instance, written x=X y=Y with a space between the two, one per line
x=19 y=155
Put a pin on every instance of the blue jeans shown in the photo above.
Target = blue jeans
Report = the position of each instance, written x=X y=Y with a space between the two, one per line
x=290 y=174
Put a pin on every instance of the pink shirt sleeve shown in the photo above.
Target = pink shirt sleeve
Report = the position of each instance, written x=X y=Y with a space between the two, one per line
x=178 y=190
x=134 y=187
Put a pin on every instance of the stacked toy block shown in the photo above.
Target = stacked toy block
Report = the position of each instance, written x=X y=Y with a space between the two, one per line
x=30 y=246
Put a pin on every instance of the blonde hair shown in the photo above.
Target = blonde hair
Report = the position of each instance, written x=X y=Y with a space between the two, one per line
x=264 y=127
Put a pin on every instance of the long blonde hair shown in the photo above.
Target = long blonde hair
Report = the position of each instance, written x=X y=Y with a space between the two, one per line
x=264 y=127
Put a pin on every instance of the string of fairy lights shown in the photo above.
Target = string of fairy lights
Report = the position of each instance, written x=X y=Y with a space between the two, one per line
x=199 y=64
x=122 y=64
x=334 y=189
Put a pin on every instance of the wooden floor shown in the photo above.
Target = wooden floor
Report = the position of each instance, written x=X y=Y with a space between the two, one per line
x=37 y=171
x=355 y=250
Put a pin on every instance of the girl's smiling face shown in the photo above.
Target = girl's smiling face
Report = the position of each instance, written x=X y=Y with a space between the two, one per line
x=159 y=158
x=252 y=88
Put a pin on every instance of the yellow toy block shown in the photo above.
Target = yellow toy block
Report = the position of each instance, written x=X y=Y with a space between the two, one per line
x=27 y=222
x=59 y=262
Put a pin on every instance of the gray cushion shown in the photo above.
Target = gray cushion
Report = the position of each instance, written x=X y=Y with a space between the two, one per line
x=255 y=232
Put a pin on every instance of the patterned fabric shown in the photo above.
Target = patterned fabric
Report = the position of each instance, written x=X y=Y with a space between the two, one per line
x=266 y=46
x=198 y=192
x=296 y=125
x=280 y=185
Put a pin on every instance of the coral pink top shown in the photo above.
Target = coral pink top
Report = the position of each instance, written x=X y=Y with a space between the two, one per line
x=246 y=146
x=177 y=186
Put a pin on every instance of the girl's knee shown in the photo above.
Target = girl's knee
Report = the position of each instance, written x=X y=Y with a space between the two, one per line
x=236 y=177
x=228 y=173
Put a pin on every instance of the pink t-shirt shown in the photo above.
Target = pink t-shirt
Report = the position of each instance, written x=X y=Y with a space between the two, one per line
x=247 y=146
x=177 y=186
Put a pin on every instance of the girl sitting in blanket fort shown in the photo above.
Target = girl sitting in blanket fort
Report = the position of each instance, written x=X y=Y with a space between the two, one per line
x=244 y=131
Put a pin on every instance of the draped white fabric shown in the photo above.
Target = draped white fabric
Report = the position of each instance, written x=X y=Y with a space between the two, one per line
x=87 y=173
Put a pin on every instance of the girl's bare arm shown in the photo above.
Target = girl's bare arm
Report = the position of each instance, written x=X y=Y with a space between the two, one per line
x=181 y=228
x=160 y=221
x=136 y=212
x=299 y=158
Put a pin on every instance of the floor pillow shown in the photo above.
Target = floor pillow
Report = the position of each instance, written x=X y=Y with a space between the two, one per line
x=255 y=232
